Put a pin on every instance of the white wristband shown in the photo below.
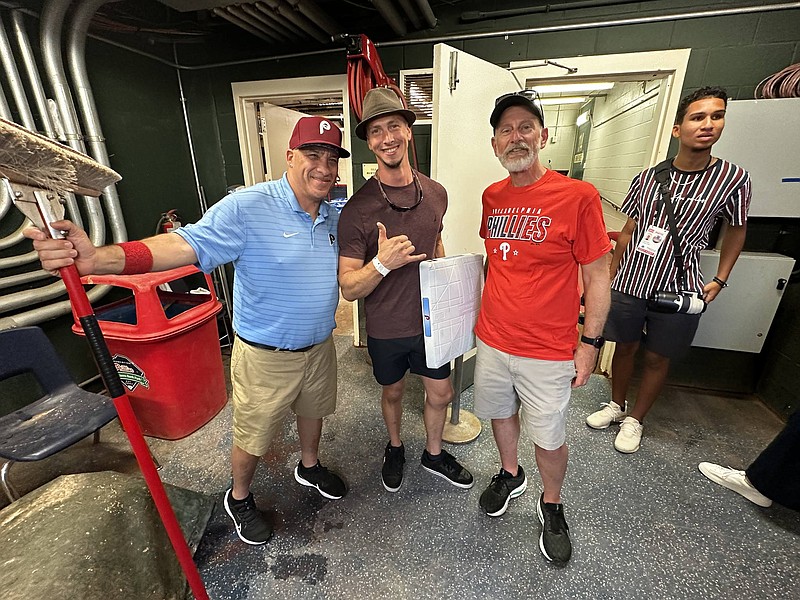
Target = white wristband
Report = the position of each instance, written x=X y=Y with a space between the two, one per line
x=379 y=267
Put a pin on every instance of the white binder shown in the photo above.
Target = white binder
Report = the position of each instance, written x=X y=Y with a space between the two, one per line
x=451 y=297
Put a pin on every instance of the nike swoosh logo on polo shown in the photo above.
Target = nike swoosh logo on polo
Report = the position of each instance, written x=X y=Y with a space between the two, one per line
x=288 y=235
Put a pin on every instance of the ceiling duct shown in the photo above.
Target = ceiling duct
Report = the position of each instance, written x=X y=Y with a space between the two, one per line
x=427 y=13
x=231 y=18
x=411 y=13
x=317 y=16
x=289 y=13
x=265 y=21
x=239 y=12
x=391 y=16
x=279 y=19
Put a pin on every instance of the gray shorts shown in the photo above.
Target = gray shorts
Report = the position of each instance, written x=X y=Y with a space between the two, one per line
x=538 y=389
x=667 y=334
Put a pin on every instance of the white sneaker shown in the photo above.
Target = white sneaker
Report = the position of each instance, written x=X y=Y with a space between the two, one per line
x=734 y=480
x=629 y=436
x=610 y=413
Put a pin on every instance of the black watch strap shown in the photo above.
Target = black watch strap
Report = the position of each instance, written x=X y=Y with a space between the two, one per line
x=597 y=342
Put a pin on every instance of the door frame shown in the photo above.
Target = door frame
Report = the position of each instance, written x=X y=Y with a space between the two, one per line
x=247 y=93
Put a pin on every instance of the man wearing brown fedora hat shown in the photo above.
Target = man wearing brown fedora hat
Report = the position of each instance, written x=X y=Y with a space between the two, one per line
x=391 y=224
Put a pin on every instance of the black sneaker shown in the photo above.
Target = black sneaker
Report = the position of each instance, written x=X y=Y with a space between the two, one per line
x=251 y=526
x=447 y=467
x=554 y=541
x=504 y=486
x=330 y=485
x=392 y=470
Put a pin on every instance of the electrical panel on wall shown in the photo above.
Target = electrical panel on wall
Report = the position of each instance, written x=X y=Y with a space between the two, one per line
x=741 y=315
x=763 y=136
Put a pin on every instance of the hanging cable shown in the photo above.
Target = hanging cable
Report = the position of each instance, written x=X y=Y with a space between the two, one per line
x=783 y=84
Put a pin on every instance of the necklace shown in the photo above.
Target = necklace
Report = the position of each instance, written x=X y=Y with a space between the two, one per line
x=392 y=204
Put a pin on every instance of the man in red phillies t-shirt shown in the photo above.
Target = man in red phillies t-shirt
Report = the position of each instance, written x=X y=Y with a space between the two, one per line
x=538 y=227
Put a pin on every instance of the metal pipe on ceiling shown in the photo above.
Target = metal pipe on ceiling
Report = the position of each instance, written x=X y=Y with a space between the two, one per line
x=288 y=12
x=391 y=16
x=76 y=58
x=51 y=25
x=272 y=13
x=473 y=16
x=427 y=13
x=5 y=109
x=14 y=81
x=237 y=12
x=40 y=99
x=15 y=237
x=266 y=22
x=242 y=24
x=34 y=79
x=411 y=13
x=5 y=199
x=23 y=278
x=317 y=16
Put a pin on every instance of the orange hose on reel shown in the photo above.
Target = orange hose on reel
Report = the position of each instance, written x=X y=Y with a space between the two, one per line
x=364 y=72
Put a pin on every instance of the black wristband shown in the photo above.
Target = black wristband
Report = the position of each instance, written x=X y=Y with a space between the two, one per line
x=720 y=282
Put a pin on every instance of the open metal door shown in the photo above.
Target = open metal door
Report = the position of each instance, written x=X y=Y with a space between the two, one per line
x=462 y=159
x=278 y=124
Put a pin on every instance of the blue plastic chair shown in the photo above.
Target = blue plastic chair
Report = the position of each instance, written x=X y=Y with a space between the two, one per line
x=64 y=415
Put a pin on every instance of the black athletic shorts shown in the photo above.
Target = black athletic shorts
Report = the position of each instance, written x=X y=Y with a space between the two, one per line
x=393 y=357
x=667 y=334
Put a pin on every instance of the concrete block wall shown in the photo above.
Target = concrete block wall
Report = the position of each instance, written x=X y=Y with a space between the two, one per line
x=620 y=141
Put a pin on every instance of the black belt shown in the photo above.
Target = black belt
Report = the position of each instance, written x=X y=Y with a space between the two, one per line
x=273 y=348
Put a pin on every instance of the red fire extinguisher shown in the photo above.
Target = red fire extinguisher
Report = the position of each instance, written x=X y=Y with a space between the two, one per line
x=170 y=221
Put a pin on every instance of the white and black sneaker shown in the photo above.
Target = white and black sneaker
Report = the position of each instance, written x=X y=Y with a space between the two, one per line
x=394 y=460
x=503 y=488
x=251 y=526
x=448 y=468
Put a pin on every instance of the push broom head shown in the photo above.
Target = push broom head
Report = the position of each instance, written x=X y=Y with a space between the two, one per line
x=30 y=159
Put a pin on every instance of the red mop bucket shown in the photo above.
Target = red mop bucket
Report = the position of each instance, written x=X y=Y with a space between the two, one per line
x=165 y=347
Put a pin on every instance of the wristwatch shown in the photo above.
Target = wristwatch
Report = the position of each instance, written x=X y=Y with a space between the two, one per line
x=597 y=342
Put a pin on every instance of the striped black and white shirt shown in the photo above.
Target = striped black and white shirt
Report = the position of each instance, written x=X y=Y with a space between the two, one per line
x=698 y=199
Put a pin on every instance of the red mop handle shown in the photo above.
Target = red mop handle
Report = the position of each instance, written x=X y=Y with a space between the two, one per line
x=83 y=310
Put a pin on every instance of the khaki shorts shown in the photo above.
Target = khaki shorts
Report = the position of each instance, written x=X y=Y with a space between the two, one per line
x=267 y=384
x=538 y=389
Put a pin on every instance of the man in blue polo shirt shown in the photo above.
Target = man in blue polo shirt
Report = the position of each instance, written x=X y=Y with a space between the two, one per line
x=281 y=237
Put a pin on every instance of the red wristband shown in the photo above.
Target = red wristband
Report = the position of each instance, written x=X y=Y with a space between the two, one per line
x=138 y=258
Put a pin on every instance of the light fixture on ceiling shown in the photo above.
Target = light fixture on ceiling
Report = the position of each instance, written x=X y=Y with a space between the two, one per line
x=563 y=100
x=571 y=88
x=582 y=118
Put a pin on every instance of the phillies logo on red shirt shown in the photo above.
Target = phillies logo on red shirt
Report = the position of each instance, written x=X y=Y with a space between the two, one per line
x=527 y=224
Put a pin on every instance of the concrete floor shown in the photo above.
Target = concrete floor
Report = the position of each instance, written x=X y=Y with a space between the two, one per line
x=646 y=525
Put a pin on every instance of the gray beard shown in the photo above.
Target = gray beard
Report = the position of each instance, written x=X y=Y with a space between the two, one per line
x=517 y=165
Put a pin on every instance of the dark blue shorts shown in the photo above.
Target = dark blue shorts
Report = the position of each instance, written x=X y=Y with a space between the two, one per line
x=667 y=334
x=393 y=357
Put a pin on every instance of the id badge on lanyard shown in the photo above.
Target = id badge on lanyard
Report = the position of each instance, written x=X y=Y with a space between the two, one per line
x=651 y=240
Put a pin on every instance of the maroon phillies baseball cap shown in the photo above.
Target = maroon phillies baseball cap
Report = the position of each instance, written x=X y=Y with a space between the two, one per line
x=316 y=130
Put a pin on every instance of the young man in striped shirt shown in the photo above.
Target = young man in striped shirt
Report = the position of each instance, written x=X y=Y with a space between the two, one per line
x=703 y=188
x=281 y=237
